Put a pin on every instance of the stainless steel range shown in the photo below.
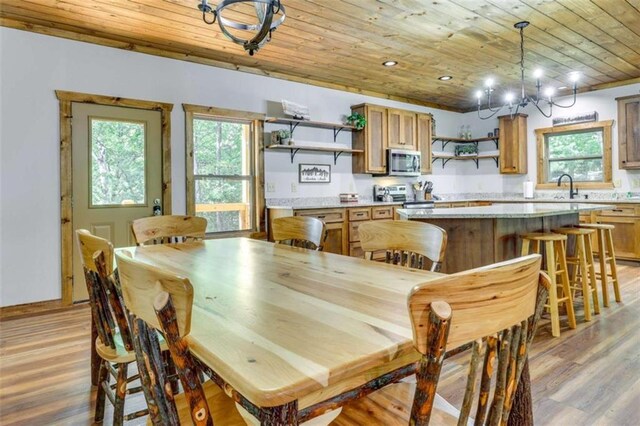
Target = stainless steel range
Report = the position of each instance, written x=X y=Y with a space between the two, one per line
x=396 y=193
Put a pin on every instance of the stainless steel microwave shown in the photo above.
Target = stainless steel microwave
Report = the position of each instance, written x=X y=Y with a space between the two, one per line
x=401 y=162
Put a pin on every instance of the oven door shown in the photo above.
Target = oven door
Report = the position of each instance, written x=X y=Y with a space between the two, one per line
x=403 y=163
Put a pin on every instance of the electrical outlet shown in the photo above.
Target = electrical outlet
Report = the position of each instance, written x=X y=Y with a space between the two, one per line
x=294 y=188
x=635 y=183
x=617 y=183
x=271 y=187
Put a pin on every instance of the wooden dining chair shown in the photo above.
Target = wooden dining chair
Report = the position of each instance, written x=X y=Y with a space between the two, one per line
x=407 y=243
x=168 y=229
x=160 y=300
x=495 y=309
x=114 y=344
x=299 y=231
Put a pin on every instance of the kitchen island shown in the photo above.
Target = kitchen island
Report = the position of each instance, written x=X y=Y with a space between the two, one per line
x=478 y=236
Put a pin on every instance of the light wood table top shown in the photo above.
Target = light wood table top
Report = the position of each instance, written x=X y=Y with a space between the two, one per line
x=280 y=324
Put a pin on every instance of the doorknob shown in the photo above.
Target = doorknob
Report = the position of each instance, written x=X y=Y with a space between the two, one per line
x=157 y=208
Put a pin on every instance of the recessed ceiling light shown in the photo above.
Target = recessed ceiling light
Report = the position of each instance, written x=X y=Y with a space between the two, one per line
x=390 y=63
x=445 y=77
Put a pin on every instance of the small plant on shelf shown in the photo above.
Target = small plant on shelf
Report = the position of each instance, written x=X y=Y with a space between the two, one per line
x=466 y=150
x=284 y=136
x=356 y=120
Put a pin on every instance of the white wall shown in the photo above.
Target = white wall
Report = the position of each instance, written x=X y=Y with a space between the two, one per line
x=33 y=66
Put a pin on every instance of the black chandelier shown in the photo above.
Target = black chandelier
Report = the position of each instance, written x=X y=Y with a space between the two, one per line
x=269 y=13
x=510 y=100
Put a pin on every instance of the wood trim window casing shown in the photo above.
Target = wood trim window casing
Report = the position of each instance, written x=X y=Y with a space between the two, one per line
x=606 y=127
x=257 y=120
x=65 y=100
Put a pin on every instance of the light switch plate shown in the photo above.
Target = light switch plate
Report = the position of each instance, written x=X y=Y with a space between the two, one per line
x=294 y=188
x=271 y=187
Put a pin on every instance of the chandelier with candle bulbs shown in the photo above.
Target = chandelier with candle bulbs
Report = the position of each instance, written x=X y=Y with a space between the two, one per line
x=269 y=15
x=542 y=99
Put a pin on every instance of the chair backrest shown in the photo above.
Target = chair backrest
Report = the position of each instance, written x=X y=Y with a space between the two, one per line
x=407 y=243
x=168 y=229
x=299 y=231
x=107 y=307
x=496 y=308
x=160 y=300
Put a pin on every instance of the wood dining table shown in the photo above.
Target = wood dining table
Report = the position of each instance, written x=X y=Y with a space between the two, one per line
x=291 y=333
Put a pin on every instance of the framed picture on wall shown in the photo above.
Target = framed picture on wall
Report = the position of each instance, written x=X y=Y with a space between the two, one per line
x=314 y=173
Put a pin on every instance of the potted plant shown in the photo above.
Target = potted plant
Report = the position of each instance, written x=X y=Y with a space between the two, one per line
x=284 y=136
x=466 y=150
x=356 y=120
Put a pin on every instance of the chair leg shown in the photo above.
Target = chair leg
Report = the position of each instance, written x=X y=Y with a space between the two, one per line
x=553 y=291
x=584 y=276
x=614 y=269
x=525 y=247
x=602 y=257
x=96 y=361
x=103 y=376
x=566 y=287
x=121 y=392
x=592 y=274
x=171 y=371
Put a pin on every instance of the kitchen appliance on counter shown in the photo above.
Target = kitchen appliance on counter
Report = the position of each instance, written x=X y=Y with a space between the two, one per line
x=397 y=193
x=401 y=162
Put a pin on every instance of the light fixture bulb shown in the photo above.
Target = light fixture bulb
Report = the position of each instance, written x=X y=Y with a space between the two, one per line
x=574 y=76
x=537 y=73
x=508 y=97
x=489 y=82
x=479 y=94
x=549 y=92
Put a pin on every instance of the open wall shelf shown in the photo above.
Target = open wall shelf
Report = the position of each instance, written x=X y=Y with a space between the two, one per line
x=446 y=158
x=293 y=150
x=445 y=140
x=293 y=123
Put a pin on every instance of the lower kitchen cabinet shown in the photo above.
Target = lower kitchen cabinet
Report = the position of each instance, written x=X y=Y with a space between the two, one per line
x=626 y=235
x=358 y=216
x=336 y=225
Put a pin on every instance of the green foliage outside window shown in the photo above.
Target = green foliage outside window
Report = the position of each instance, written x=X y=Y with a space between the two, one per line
x=117 y=162
x=222 y=172
x=577 y=153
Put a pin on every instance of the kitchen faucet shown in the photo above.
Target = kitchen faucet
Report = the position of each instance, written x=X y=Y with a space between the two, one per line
x=571 y=193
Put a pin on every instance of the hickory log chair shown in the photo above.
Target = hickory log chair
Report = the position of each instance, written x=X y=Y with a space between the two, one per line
x=114 y=344
x=606 y=255
x=159 y=300
x=556 y=266
x=583 y=275
x=407 y=243
x=299 y=231
x=168 y=229
x=495 y=308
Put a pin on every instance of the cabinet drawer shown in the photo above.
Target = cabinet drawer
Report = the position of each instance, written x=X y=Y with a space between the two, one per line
x=354 y=237
x=328 y=216
x=359 y=214
x=355 y=250
x=460 y=204
x=382 y=212
x=621 y=210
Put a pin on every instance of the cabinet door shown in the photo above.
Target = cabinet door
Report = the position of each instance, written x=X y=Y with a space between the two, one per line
x=629 y=131
x=626 y=236
x=423 y=130
x=513 y=144
x=408 y=136
x=394 y=132
x=376 y=145
x=336 y=240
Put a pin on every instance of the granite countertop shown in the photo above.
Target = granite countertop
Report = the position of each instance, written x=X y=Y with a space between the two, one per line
x=324 y=203
x=502 y=211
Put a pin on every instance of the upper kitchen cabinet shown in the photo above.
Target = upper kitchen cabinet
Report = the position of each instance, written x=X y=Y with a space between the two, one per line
x=629 y=131
x=402 y=129
x=372 y=140
x=513 y=144
x=423 y=131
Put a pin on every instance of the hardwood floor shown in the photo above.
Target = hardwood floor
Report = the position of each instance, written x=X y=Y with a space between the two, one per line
x=588 y=376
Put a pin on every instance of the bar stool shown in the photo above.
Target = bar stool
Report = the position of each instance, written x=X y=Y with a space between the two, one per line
x=583 y=268
x=606 y=255
x=556 y=266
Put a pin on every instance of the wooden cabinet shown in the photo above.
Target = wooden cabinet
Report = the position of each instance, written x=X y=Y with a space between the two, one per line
x=629 y=131
x=513 y=144
x=423 y=136
x=626 y=236
x=402 y=129
x=372 y=140
x=360 y=215
x=336 y=224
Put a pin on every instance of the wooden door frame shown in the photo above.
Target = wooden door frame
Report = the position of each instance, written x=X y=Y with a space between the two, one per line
x=66 y=169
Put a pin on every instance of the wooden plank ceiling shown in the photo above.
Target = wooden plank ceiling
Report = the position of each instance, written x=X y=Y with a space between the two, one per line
x=342 y=43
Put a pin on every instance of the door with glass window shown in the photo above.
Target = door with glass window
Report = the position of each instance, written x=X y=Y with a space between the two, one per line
x=117 y=174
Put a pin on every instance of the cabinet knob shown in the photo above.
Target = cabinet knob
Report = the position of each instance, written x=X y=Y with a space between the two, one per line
x=624 y=161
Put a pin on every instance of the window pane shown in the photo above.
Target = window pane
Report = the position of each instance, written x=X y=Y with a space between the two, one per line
x=225 y=203
x=580 y=170
x=220 y=147
x=571 y=145
x=117 y=162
